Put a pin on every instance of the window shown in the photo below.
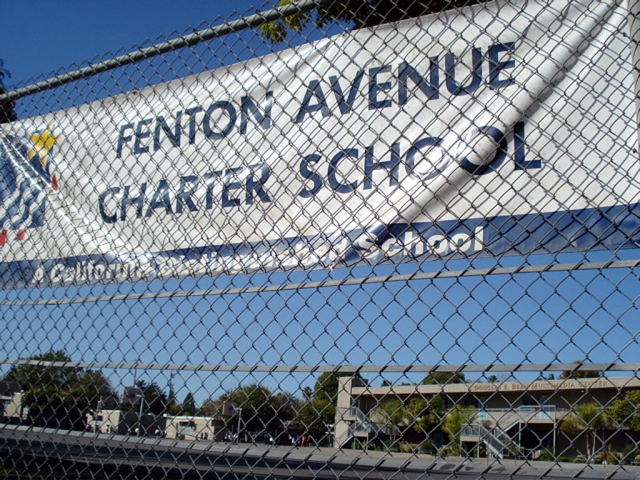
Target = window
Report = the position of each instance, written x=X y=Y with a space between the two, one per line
x=187 y=428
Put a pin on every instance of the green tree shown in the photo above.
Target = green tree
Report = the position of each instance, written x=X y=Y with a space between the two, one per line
x=324 y=400
x=210 y=408
x=155 y=400
x=283 y=405
x=579 y=373
x=327 y=385
x=307 y=393
x=188 y=405
x=356 y=13
x=392 y=415
x=626 y=411
x=393 y=411
x=588 y=418
x=174 y=409
x=443 y=378
x=317 y=409
x=59 y=396
x=91 y=388
x=453 y=422
x=313 y=416
x=426 y=414
x=258 y=407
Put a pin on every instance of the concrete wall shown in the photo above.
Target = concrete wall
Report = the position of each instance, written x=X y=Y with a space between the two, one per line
x=195 y=428
x=344 y=404
x=113 y=421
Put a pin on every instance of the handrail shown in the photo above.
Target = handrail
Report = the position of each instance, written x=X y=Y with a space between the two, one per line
x=529 y=408
x=507 y=418
x=495 y=439
x=362 y=423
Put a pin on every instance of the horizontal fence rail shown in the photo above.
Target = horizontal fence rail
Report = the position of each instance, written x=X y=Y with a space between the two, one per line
x=478 y=272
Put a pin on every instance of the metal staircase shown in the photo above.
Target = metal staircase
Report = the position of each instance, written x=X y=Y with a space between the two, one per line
x=497 y=441
x=362 y=425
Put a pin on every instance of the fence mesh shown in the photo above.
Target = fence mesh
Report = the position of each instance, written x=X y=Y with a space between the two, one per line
x=334 y=238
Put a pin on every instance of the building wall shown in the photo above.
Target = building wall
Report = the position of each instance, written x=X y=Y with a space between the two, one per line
x=563 y=393
x=112 y=421
x=194 y=428
x=11 y=407
x=178 y=427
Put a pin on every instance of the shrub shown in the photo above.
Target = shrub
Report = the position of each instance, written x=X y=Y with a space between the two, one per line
x=408 y=447
x=390 y=445
x=629 y=453
x=547 y=456
x=451 y=450
x=428 y=447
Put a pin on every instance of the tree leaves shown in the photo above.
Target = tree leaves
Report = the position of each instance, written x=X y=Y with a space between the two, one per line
x=59 y=395
x=356 y=14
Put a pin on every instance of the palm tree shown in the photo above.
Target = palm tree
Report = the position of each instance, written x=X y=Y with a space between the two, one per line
x=454 y=421
x=587 y=418
x=389 y=415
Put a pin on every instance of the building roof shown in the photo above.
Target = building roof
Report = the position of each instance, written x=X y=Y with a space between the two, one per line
x=570 y=384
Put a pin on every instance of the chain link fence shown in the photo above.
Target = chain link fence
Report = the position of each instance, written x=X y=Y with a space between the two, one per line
x=391 y=238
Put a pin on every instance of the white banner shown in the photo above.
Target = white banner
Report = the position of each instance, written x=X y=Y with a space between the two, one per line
x=504 y=128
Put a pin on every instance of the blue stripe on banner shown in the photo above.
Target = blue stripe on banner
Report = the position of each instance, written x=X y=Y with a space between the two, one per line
x=609 y=228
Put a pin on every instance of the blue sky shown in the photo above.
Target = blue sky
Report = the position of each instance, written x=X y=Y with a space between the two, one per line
x=52 y=38
x=554 y=317
x=528 y=318
x=40 y=37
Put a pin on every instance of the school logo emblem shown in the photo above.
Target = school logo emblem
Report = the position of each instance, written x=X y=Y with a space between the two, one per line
x=26 y=179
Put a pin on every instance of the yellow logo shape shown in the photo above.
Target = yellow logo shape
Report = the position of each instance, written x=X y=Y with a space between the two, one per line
x=42 y=143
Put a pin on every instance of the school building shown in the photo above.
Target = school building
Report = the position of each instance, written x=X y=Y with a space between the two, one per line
x=168 y=426
x=508 y=419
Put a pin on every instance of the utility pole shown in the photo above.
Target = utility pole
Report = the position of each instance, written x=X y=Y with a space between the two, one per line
x=135 y=381
x=171 y=394
x=140 y=412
